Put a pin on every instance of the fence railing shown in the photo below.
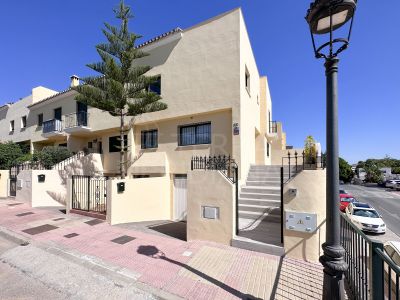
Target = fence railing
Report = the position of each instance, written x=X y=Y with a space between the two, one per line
x=76 y=119
x=89 y=193
x=52 y=126
x=371 y=273
x=227 y=166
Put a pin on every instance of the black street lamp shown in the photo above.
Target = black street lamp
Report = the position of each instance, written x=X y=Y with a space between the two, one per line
x=324 y=17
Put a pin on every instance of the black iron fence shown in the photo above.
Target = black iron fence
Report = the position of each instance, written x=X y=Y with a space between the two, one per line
x=89 y=193
x=371 y=273
x=227 y=166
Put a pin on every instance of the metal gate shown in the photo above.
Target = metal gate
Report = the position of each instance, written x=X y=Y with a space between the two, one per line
x=180 y=197
x=89 y=193
x=13 y=181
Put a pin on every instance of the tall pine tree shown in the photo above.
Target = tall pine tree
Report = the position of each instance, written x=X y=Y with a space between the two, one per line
x=122 y=88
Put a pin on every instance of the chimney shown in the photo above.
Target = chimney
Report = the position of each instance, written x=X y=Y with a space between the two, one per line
x=74 y=81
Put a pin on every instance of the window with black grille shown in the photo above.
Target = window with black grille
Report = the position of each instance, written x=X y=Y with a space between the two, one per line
x=149 y=139
x=195 y=134
x=114 y=143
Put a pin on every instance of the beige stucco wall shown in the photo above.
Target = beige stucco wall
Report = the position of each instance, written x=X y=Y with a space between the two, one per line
x=90 y=165
x=144 y=199
x=52 y=192
x=220 y=192
x=179 y=157
x=277 y=155
x=310 y=198
x=4 y=175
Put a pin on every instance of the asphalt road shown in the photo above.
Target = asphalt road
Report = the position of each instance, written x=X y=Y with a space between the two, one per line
x=385 y=201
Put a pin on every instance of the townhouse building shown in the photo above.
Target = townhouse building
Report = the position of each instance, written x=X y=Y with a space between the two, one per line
x=218 y=104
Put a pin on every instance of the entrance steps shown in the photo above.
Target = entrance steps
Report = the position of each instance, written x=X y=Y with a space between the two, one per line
x=260 y=211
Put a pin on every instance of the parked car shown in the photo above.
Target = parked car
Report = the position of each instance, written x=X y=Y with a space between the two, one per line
x=365 y=217
x=342 y=191
x=397 y=186
x=345 y=200
x=392 y=183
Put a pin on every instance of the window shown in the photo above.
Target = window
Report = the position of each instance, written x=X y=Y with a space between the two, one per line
x=155 y=87
x=58 y=113
x=114 y=143
x=90 y=145
x=40 y=119
x=195 y=134
x=268 y=149
x=247 y=80
x=12 y=125
x=23 y=122
x=149 y=139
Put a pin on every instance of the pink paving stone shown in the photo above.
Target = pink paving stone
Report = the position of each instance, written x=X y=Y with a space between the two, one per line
x=202 y=291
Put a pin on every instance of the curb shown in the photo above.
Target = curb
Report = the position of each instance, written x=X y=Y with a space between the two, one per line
x=91 y=262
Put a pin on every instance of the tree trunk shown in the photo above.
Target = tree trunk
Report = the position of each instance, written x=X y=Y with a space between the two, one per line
x=122 y=151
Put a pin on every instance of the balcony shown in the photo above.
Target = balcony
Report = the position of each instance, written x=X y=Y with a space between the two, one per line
x=52 y=128
x=272 y=130
x=77 y=122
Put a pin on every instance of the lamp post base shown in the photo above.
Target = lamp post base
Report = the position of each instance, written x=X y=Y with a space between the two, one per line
x=334 y=268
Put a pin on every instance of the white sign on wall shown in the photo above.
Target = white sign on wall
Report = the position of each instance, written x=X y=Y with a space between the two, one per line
x=298 y=221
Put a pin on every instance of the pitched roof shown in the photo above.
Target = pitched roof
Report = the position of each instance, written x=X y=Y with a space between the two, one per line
x=159 y=37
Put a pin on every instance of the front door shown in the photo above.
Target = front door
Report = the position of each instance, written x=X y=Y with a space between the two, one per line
x=180 y=197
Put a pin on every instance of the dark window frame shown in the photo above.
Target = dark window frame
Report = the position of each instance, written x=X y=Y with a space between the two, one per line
x=145 y=135
x=40 y=120
x=196 y=126
x=24 y=121
x=112 y=146
x=247 y=79
x=156 y=86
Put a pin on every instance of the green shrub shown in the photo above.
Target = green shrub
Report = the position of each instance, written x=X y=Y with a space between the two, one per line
x=49 y=156
x=9 y=154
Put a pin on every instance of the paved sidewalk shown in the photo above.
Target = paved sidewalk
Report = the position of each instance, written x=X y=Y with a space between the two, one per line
x=190 y=270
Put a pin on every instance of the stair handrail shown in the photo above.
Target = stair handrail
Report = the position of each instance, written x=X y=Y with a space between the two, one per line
x=64 y=163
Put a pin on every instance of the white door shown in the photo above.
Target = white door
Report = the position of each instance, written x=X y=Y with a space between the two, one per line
x=180 y=197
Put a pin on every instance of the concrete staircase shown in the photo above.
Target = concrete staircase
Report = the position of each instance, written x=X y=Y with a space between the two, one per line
x=260 y=211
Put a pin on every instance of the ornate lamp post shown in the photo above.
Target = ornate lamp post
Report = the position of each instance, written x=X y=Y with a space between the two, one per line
x=324 y=17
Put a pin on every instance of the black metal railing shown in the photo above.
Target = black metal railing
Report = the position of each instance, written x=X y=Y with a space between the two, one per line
x=228 y=167
x=273 y=127
x=76 y=119
x=371 y=273
x=52 y=126
x=225 y=164
x=89 y=193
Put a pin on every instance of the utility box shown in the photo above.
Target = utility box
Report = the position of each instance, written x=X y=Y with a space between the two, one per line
x=210 y=212
x=120 y=187
x=41 y=178
x=303 y=222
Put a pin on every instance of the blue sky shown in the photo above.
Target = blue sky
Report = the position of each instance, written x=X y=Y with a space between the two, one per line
x=46 y=41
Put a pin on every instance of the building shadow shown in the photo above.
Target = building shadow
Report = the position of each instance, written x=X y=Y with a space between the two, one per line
x=154 y=252
x=173 y=229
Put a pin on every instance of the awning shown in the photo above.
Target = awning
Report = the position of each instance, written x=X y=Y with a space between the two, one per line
x=149 y=163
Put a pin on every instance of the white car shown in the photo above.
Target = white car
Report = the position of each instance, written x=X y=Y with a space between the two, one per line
x=365 y=217
x=392 y=249
x=392 y=183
